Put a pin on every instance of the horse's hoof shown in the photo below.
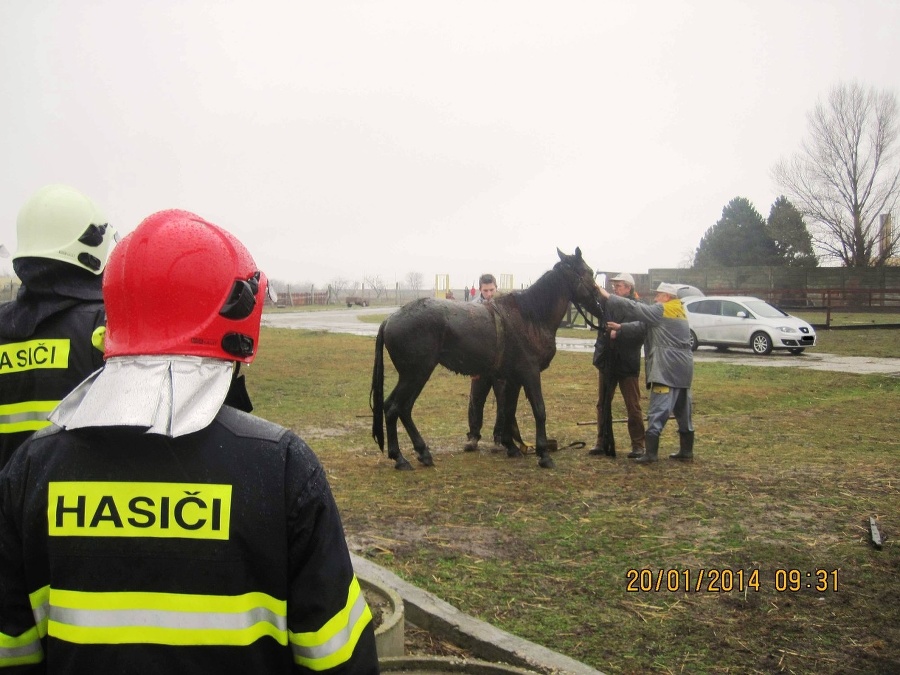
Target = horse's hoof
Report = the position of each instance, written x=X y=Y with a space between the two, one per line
x=514 y=452
x=546 y=463
x=403 y=466
x=426 y=460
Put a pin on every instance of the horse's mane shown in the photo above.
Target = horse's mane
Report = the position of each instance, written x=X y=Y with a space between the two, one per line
x=543 y=293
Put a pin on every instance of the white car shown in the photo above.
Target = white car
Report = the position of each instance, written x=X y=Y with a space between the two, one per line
x=741 y=321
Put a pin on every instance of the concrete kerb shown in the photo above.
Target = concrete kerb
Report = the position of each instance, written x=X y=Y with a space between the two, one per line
x=485 y=641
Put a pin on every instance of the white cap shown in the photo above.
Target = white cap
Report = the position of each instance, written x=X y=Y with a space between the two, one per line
x=671 y=289
x=624 y=276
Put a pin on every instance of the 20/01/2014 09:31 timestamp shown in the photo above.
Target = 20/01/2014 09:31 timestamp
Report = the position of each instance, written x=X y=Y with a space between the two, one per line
x=725 y=580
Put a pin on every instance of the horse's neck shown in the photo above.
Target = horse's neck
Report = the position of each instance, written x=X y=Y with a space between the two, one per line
x=546 y=304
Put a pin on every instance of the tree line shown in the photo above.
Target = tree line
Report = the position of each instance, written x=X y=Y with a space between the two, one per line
x=838 y=193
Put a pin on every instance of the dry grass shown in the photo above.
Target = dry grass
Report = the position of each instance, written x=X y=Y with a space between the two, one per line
x=790 y=465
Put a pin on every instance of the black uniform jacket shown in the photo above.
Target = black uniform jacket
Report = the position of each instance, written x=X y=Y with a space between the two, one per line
x=46 y=350
x=217 y=552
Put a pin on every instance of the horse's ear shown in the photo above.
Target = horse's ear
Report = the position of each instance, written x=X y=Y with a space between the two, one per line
x=562 y=256
x=578 y=252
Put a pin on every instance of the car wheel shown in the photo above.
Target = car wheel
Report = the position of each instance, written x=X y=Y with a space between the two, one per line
x=796 y=350
x=761 y=343
x=694 y=343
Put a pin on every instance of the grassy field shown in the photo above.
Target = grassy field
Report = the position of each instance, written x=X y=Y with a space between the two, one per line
x=593 y=558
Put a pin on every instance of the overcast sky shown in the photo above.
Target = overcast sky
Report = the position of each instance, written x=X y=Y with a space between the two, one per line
x=351 y=139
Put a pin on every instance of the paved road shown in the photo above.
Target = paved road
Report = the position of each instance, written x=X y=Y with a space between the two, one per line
x=347 y=321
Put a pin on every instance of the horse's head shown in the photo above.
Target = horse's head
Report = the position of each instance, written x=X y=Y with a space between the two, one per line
x=580 y=278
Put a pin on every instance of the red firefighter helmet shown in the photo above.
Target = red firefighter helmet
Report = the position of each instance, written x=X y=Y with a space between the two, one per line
x=180 y=285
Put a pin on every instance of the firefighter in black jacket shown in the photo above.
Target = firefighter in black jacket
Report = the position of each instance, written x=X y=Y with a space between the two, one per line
x=153 y=529
x=51 y=334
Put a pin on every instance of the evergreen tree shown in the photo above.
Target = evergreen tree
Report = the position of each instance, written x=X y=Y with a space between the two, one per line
x=792 y=239
x=738 y=238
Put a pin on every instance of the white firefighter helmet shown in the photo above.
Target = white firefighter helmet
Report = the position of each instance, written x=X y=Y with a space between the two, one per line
x=60 y=223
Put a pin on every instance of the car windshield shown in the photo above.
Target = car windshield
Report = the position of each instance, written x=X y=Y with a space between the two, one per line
x=764 y=309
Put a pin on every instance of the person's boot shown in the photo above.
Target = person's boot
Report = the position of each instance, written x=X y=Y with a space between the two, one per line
x=471 y=444
x=651 y=453
x=686 y=447
x=635 y=453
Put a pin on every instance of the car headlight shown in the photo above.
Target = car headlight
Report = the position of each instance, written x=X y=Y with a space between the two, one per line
x=788 y=329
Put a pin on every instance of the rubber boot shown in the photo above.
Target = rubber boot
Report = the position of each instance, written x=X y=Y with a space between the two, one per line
x=652 y=451
x=686 y=447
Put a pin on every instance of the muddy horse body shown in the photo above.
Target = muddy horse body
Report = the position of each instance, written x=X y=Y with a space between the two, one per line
x=512 y=338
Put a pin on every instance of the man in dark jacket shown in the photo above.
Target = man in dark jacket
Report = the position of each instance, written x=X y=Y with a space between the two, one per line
x=51 y=335
x=617 y=356
x=669 y=367
x=155 y=530
x=483 y=384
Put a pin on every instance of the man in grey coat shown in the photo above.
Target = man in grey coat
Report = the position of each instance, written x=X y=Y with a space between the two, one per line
x=669 y=367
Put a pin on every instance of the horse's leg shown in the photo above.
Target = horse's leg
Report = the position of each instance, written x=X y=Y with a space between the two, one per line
x=478 y=393
x=535 y=395
x=412 y=386
x=509 y=402
x=391 y=413
x=500 y=393
x=419 y=444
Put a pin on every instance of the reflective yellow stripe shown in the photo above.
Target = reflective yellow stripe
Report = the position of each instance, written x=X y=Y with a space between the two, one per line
x=166 y=618
x=20 y=356
x=22 y=649
x=40 y=607
x=98 y=338
x=178 y=619
x=26 y=648
x=333 y=644
x=25 y=416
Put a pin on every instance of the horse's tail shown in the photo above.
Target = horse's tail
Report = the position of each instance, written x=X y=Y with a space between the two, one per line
x=376 y=394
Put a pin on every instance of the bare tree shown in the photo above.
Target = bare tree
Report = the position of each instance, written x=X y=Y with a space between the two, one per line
x=305 y=286
x=376 y=284
x=278 y=285
x=336 y=289
x=281 y=290
x=414 y=281
x=847 y=174
x=5 y=270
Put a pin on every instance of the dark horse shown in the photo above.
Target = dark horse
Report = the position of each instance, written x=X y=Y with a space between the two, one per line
x=512 y=338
